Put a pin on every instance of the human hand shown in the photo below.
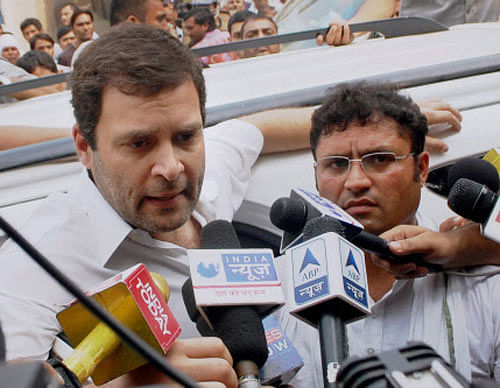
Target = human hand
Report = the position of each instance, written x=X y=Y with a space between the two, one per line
x=453 y=223
x=433 y=247
x=205 y=359
x=439 y=114
x=338 y=34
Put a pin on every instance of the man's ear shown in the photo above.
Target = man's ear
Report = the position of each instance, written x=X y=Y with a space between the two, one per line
x=423 y=167
x=82 y=148
x=133 y=19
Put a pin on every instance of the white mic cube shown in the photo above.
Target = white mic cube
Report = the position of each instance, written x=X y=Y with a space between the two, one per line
x=327 y=272
x=235 y=277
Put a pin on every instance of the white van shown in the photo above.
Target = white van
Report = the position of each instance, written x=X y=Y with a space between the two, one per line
x=460 y=66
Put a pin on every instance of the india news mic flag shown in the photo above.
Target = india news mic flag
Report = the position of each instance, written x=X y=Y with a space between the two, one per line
x=135 y=297
x=235 y=277
x=327 y=272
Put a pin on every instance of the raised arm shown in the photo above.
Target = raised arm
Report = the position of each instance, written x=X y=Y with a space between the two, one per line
x=461 y=247
x=283 y=129
x=12 y=136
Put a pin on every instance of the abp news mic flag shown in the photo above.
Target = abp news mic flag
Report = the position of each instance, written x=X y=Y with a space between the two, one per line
x=327 y=271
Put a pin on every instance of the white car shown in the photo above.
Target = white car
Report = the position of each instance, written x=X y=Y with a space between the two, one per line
x=433 y=64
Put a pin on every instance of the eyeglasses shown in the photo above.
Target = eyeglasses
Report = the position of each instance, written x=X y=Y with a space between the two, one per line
x=377 y=163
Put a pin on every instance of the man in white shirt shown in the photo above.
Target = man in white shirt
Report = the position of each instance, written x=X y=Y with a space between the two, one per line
x=145 y=194
x=368 y=146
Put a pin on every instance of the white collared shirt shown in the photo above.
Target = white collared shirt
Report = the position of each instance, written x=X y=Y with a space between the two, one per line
x=88 y=241
x=388 y=328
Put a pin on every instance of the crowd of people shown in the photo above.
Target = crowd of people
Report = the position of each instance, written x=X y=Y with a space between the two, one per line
x=197 y=27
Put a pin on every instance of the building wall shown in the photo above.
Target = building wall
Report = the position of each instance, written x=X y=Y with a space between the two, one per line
x=15 y=11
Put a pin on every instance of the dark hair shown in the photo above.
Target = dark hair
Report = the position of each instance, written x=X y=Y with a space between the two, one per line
x=63 y=31
x=257 y=16
x=120 y=9
x=201 y=16
x=238 y=17
x=73 y=6
x=40 y=35
x=364 y=102
x=34 y=58
x=29 y=21
x=137 y=59
x=79 y=12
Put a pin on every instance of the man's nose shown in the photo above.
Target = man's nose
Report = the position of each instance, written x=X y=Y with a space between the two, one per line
x=356 y=178
x=167 y=164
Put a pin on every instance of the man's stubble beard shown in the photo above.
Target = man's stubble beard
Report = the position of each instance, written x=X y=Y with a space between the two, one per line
x=116 y=195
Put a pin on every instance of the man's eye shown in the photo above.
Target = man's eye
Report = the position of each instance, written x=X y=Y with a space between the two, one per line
x=337 y=163
x=139 y=144
x=185 y=137
x=381 y=159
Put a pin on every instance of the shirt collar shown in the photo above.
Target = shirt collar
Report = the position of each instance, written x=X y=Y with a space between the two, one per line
x=109 y=228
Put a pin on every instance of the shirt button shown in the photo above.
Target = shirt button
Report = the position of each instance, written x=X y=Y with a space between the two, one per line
x=370 y=351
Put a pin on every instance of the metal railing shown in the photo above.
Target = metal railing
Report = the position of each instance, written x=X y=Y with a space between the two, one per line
x=61 y=148
x=389 y=28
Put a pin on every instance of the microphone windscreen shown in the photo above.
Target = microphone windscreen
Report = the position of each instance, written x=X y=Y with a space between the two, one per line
x=194 y=314
x=477 y=170
x=189 y=300
x=288 y=214
x=239 y=327
x=219 y=234
x=321 y=225
x=471 y=200
x=241 y=330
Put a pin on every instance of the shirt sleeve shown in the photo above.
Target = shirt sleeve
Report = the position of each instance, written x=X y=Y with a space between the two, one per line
x=11 y=73
x=231 y=147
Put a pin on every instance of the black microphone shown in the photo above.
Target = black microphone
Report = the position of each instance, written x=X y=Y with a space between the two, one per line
x=378 y=246
x=292 y=214
x=289 y=214
x=478 y=170
x=239 y=327
x=477 y=203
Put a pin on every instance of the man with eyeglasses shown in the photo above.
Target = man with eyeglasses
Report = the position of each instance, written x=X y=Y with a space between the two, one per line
x=368 y=145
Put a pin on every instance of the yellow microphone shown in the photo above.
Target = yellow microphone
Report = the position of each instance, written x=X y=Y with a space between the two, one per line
x=137 y=299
